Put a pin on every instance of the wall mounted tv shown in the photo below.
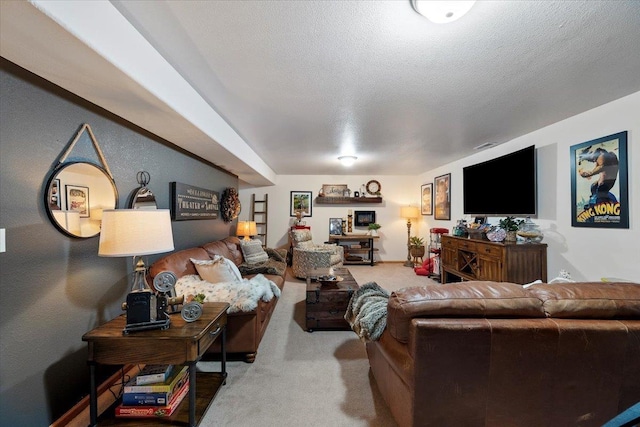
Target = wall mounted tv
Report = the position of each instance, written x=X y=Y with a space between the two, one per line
x=505 y=186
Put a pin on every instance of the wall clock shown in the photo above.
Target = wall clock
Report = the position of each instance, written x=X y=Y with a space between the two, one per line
x=373 y=187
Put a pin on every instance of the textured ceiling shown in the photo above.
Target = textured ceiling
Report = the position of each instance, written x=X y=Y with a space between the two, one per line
x=302 y=82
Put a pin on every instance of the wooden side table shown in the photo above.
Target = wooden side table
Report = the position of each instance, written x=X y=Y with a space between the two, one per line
x=183 y=343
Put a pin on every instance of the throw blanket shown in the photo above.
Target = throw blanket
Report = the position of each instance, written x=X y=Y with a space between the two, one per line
x=276 y=264
x=241 y=295
x=367 y=311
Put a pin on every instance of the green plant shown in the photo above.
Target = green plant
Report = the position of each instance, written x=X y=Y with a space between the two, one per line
x=510 y=223
x=416 y=241
x=374 y=226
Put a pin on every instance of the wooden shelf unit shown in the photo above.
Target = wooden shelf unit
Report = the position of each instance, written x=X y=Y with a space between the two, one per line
x=347 y=200
x=364 y=239
x=470 y=259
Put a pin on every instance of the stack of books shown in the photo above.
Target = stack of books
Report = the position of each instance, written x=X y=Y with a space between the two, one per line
x=154 y=399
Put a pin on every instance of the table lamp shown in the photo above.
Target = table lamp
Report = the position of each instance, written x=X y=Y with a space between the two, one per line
x=134 y=233
x=409 y=213
x=247 y=229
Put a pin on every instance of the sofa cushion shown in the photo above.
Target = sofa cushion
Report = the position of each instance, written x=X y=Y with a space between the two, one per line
x=591 y=300
x=468 y=299
x=252 y=251
x=217 y=270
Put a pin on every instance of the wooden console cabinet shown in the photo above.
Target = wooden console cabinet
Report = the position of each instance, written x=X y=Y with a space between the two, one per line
x=470 y=259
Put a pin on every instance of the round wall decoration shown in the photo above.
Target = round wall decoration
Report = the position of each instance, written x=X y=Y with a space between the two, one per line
x=230 y=207
x=373 y=187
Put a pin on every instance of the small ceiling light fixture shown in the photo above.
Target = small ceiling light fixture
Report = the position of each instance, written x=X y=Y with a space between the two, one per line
x=442 y=11
x=347 y=160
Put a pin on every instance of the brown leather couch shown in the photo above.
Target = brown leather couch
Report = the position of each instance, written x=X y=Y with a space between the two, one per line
x=497 y=354
x=244 y=329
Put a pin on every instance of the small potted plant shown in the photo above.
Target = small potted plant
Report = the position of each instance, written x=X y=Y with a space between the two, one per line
x=416 y=247
x=373 y=228
x=510 y=224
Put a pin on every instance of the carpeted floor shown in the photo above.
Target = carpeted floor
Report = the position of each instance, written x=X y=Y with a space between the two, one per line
x=307 y=379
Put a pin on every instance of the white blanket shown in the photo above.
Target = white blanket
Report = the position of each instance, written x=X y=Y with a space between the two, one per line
x=241 y=296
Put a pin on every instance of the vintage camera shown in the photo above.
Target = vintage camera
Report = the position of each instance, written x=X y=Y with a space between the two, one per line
x=147 y=309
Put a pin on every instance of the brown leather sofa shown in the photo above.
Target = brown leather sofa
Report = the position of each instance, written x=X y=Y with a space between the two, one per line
x=244 y=329
x=497 y=354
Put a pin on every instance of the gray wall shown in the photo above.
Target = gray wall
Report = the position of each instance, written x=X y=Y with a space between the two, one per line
x=54 y=288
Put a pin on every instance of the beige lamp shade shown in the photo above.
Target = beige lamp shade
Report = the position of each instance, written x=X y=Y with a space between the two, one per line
x=246 y=229
x=135 y=232
x=409 y=212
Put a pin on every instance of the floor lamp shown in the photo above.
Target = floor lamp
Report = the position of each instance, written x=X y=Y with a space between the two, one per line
x=409 y=213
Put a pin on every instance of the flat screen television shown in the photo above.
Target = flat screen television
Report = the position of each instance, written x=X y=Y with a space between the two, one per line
x=504 y=186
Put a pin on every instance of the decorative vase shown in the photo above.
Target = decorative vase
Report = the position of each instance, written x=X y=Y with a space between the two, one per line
x=373 y=232
x=511 y=236
x=530 y=232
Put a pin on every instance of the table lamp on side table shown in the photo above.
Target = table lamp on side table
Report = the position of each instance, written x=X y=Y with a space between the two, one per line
x=248 y=229
x=138 y=232
x=409 y=213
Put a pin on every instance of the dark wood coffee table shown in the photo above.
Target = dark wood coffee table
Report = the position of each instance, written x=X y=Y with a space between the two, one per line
x=326 y=304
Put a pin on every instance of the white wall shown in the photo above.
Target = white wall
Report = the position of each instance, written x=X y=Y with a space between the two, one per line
x=396 y=191
x=586 y=253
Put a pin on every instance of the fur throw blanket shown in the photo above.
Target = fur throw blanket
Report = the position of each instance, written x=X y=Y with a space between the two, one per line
x=241 y=295
x=367 y=311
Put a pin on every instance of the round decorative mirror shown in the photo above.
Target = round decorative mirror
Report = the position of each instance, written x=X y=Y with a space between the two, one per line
x=75 y=196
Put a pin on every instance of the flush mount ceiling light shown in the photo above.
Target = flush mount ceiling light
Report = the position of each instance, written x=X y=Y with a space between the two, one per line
x=442 y=11
x=347 y=160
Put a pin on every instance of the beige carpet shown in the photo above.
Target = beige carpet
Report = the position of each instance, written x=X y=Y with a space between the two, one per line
x=307 y=379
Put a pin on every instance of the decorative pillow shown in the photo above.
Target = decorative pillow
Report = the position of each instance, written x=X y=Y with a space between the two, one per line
x=253 y=252
x=216 y=270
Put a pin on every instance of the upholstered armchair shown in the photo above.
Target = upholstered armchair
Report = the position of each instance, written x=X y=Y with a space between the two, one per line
x=308 y=255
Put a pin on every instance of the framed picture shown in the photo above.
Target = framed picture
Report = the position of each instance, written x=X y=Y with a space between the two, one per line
x=335 y=226
x=78 y=199
x=334 y=190
x=54 y=195
x=426 y=203
x=599 y=193
x=300 y=201
x=442 y=184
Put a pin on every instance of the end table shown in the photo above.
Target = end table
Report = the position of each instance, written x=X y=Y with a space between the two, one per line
x=183 y=343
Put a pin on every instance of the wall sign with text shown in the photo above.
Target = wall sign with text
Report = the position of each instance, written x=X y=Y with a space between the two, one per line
x=189 y=202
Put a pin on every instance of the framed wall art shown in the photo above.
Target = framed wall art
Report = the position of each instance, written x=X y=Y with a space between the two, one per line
x=599 y=193
x=78 y=199
x=300 y=201
x=442 y=185
x=426 y=199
